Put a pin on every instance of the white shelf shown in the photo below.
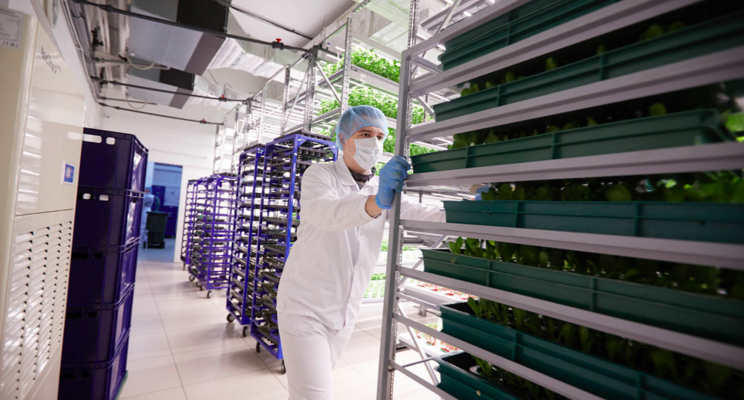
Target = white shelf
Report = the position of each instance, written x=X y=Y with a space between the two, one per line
x=710 y=157
x=683 y=251
x=686 y=344
x=604 y=20
x=428 y=296
x=699 y=71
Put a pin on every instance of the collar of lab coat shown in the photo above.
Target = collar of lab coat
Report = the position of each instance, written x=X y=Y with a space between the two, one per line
x=343 y=172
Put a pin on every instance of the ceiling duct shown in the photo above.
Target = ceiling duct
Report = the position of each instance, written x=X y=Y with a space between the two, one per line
x=173 y=80
x=181 y=48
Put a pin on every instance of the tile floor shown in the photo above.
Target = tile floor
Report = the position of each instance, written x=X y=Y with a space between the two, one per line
x=182 y=348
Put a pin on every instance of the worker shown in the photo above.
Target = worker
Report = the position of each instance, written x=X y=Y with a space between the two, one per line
x=147 y=202
x=344 y=207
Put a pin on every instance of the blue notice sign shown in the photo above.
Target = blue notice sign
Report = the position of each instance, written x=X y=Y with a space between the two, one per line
x=69 y=174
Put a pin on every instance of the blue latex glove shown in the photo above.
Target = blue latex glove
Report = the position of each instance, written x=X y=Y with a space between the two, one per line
x=392 y=176
x=480 y=190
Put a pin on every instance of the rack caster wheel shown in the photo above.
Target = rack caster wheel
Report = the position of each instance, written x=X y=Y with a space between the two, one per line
x=284 y=368
x=258 y=347
x=209 y=294
x=230 y=318
x=201 y=288
x=191 y=278
x=245 y=334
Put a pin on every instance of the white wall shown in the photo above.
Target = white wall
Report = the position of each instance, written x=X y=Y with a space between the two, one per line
x=188 y=144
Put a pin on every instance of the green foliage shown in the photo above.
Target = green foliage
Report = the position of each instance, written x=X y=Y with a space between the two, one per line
x=714 y=379
x=370 y=61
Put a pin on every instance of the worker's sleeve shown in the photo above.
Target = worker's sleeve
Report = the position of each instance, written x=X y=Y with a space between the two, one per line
x=419 y=212
x=322 y=207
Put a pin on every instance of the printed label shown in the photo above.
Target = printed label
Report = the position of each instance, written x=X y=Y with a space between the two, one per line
x=68 y=173
x=11 y=25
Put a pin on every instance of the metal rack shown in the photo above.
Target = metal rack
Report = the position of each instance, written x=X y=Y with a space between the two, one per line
x=214 y=232
x=285 y=160
x=188 y=222
x=704 y=70
x=244 y=256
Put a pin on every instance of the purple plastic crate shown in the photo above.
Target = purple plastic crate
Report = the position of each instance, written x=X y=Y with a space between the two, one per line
x=107 y=216
x=95 y=381
x=101 y=274
x=93 y=333
x=112 y=160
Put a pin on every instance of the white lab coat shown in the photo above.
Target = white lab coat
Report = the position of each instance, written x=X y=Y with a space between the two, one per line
x=337 y=245
x=327 y=273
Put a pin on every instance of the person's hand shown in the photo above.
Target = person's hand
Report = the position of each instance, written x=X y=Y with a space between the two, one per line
x=392 y=176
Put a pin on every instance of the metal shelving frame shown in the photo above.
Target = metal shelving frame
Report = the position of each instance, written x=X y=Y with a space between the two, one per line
x=316 y=80
x=188 y=221
x=285 y=159
x=700 y=71
x=250 y=191
x=214 y=233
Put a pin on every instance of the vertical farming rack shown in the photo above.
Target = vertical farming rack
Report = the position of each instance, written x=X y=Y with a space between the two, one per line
x=214 y=233
x=242 y=275
x=189 y=216
x=286 y=159
x=536 y=62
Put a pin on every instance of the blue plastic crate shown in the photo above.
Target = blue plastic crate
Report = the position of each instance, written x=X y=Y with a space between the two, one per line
x=101 y=274
x=102 y=381
x=107 y=216
x=94 y=333
x=112 y=160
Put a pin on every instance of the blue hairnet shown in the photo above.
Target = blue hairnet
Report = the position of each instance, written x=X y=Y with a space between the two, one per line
x=356 y=118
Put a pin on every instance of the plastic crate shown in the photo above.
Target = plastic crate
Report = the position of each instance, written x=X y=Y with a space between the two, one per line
x=101 y=275
x=705 y=222
x=112 y=160
x=102 y=381
x=519 y=24
x=705 y=38
x=457 y=380
x=695 y=314
x=595 y=375
x=94 y=333
x=107 y=216
x=649 y=133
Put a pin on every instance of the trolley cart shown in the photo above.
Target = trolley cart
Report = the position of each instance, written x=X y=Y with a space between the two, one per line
x=214 y=233
x=240 y=292
x=285 y=160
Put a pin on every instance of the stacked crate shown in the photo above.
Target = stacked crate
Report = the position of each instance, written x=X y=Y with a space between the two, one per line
x=214 y=231
x=103 y=265
x=240 y=294
x=286 y=159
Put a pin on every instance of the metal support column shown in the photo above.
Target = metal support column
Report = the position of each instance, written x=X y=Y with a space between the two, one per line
x=389 y=334
x=285 y=96
x=346 y=66
x=262 y=112
x=312 y=62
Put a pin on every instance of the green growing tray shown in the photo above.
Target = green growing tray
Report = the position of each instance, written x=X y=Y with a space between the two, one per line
x=649 y=133
x=699 y=315
x=704 y=38
x=594 y=375
x=704 y=222
x=519 y=24
x=457 y=380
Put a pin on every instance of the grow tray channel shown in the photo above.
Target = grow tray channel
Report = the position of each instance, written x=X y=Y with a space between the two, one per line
x=705 y=222
x=704 y=38
x=650 y=133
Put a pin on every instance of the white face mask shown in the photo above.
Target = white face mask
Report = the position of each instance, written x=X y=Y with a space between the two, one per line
x=368 y=152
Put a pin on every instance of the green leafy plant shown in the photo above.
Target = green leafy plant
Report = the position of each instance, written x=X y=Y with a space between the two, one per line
x=370 y=61
x=714 y=379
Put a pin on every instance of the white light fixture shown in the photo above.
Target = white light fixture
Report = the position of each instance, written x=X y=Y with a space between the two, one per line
x=467 y=14
x=340 y=49
x=440 y=47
